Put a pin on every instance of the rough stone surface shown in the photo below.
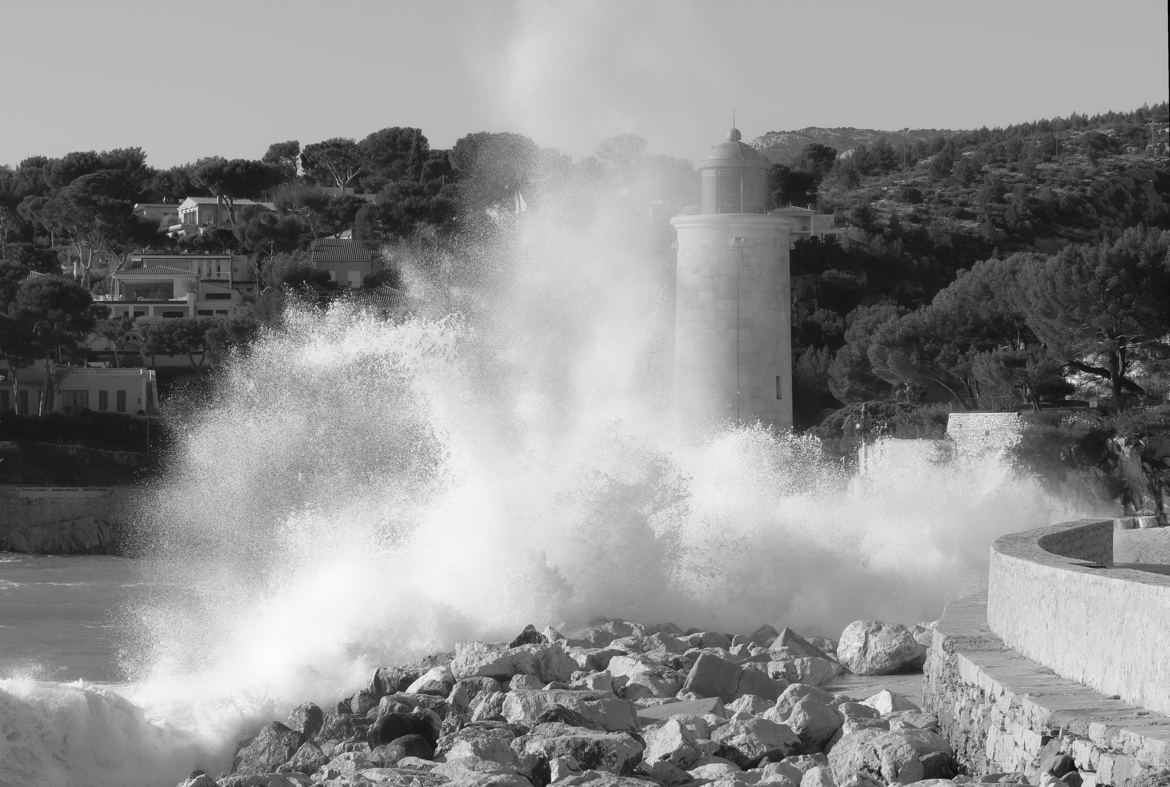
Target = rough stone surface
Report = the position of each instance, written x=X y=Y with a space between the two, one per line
x=886 y=702
x=274 y=745
x=888 y=757
x=306 y=718
x=814 y=722
x=870 y=647
x=747 y=742
x=1003 y=713
x=819 y=776
x=604 y=711
x=712 y=676
x=478 y=659
x=615 y=752
x=672 y=742
x=465 y=692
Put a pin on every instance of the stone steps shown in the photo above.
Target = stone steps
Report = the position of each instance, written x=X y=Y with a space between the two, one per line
x=1003 y=712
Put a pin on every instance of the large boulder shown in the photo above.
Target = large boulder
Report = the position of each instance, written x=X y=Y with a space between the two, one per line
x=436 y=680
x=886 y=702
x=593 y=778
x=388 y=680
x=814 y=722
x=712 y=676
x=306 y=719
x=465 y=692
x=813 y=670
x=614 y=752
x=308 y=758
x=486 y=741
x=870 y=647
x=603 y=711
x=818 y=776
x=788 y=644
x=481 y=773
x=273 y=746
x=889 y=757
x=405 y=746
x=548 y=662
x=390 y=726
x=644 y=678
x=747 y=742
x=672 y=742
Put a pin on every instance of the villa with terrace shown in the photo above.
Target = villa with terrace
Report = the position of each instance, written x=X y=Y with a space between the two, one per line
x=180 y=285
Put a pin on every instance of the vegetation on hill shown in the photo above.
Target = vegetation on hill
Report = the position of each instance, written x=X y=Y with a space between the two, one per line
x=1059 y=224
x=994 y=268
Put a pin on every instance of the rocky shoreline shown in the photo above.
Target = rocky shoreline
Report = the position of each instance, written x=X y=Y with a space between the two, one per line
x=619 y=704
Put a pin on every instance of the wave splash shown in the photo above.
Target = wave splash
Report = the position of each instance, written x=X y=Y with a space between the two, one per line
x=360 y=491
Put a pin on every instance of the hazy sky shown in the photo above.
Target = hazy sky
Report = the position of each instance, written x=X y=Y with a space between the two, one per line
x=229 y=77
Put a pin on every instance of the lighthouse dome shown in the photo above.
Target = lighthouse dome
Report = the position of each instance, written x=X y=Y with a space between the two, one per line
x=733 y=177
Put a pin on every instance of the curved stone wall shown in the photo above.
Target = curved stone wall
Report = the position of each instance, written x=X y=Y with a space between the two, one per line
x=1054 y=596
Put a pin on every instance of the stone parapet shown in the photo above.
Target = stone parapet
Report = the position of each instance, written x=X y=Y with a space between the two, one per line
x=1003 y=712
x=1055 y=597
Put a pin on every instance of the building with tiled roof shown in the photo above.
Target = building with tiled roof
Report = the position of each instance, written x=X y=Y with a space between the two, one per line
x=196 y=215
x=346 y=261
x=180 y=285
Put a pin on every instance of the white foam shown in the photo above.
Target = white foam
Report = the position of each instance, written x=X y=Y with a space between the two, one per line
x=360 y=492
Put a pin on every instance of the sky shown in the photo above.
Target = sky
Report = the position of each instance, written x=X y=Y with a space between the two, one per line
x=229 y=77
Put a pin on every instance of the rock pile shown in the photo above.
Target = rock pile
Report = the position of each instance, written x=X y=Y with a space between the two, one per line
x=621 y=705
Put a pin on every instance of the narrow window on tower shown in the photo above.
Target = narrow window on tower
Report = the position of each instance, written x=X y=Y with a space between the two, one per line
x=778 y=396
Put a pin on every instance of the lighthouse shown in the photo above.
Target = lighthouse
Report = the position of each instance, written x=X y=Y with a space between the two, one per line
x=733 y=307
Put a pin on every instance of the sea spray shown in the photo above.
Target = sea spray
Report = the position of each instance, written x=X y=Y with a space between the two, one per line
x=360 y=490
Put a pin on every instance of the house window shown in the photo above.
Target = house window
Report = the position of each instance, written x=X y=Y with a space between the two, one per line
x=217 y=296
x=75 y=400
x=172 y=314
x=204 y=312
x=779 y=390
x=103 y=401
x=121 y=402
x=23 y=399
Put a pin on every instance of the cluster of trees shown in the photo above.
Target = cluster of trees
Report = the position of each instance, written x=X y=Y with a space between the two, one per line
x=386 y=187
x=1011 y=331
x=41 y=319
x=923 y=210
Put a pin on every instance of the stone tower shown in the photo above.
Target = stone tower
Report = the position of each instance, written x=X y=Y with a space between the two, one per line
x=733 y=308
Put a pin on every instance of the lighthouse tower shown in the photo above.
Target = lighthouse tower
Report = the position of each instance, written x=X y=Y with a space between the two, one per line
x=733 y=308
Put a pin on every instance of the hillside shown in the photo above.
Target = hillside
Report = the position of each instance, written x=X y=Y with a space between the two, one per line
x=1035 y=186
x=785 y=147
x=919 y=213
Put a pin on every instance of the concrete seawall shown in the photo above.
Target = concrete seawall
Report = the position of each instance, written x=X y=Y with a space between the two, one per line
x=1055 y=597
x=62 y=520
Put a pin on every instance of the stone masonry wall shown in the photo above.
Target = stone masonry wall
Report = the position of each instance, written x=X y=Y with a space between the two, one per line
x=976 y=433
x=1053 y=598
x=1004 y=713
x=58 y=520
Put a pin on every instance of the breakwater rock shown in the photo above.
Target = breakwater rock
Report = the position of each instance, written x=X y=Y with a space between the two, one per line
x=615 y=705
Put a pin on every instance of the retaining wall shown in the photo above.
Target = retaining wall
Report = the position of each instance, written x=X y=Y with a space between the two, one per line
x=60 y=520
x=1054 y=598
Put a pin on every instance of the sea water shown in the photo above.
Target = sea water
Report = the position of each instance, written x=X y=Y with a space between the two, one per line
x=359 y=491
